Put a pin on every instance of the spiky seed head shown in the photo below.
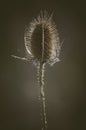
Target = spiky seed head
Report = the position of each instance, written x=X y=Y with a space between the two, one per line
x=42 y=40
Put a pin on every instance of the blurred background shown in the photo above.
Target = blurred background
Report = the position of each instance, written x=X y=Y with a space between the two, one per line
x=65 y=81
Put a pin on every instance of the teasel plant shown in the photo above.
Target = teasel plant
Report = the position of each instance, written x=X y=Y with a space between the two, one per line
x=42 y=46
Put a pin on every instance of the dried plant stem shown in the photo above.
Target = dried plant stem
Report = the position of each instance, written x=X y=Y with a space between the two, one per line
x=42 y=95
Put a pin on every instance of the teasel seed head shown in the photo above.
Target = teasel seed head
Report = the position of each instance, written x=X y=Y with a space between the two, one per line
x=42 y=40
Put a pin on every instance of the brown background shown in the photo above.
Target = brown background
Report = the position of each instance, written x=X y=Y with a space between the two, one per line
x=65 y=81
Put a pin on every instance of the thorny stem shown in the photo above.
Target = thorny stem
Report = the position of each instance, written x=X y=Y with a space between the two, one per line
x=40 y=72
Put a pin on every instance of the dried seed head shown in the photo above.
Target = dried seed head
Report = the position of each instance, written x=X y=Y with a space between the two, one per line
x=42 y=40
